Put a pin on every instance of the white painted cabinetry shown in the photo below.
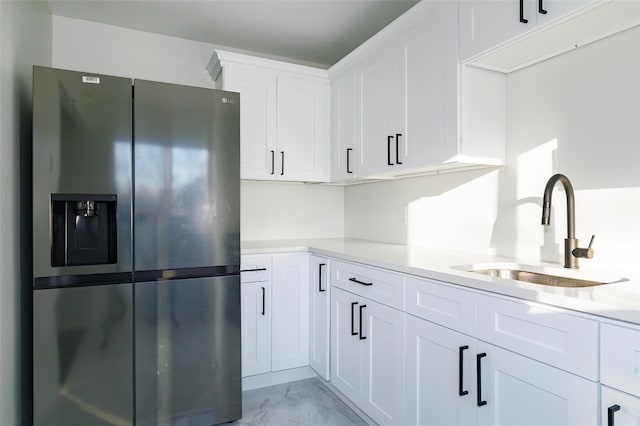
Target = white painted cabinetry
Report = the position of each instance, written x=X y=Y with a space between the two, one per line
x=514 y=389
x=408 y=86
x=284 y=109
x=319 y=318
x=485 y=24
x=290 y=311
x=255 y=303
x=620 y=374
x=343 y=126
x=367 y=366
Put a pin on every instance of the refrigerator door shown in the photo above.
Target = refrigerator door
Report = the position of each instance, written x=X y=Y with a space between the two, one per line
x=83 y=356
x=187 y=360
x=81 y=145
x=187 y=177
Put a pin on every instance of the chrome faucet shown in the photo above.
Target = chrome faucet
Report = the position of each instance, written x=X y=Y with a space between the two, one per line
x=571 y=250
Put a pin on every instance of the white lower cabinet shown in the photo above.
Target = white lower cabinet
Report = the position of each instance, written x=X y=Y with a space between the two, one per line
x=290 y=311
x=516 y=390
x=255 y=304
x=319 y=320
x=256 y=327
x=619 y=408
x=366 y=356
x=440 y=375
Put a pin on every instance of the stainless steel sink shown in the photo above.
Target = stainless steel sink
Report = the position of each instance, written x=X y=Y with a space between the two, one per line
x=536 y=278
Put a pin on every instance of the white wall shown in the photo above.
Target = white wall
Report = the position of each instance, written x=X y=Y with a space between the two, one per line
x=283 y=211
x=25 y=34
x=268 y=210
x=577 y=114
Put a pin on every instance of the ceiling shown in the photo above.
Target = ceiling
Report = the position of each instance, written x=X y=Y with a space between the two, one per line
x=319 y=32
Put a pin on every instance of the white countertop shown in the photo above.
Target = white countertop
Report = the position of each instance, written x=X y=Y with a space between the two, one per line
x=618 y=300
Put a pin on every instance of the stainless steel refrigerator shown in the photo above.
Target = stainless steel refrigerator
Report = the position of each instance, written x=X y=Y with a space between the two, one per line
x=136 y=252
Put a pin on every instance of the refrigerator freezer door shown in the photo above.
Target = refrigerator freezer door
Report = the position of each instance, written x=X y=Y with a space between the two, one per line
x=81 y=145
x=187 y=177
x=83 y=356
x=187 y=364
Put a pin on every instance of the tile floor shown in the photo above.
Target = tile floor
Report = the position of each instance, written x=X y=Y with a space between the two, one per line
x=305 y=402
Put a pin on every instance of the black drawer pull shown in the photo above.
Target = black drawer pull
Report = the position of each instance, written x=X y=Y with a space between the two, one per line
x=610 y=413
x=461 y=392
x=273 y=162
x=389 y=163
x=397 y=149
x=524 y=21
x=362 y=337
x=282 y=172
x=320 y=277
x=359 y=282
x=540 y=8
x=353 y=332
x=253 y=270
x=263 y=293
x=479 y=376
x=348 y=164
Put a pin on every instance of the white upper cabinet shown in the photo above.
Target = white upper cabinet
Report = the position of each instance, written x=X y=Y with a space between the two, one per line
x=284 y=116
x=408 y=107
x=343 y=126
x=508 y=35
x=257 y=88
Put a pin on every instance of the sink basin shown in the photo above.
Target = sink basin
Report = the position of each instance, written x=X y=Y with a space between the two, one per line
x=537 y=278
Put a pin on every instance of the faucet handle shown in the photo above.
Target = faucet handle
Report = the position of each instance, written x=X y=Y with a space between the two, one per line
x=586 y=253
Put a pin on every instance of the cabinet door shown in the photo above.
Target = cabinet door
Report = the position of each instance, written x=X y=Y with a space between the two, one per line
x=346 y=347
x=382 y=331
x=343 y=126
x=488 y=23
x=380 y=79
x=431 y=90
x=302 y=128
x=290 y=311
x=558 y=8
x=440 y=375
x=319 y=316
x=521 y=391
x=256 y=327
x=257 y=88
x=621 y=408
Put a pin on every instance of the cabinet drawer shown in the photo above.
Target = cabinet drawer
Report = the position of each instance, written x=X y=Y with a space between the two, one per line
x=545 y=334
x=620 y=358
x=627 y=415
x=442 y=304
x=375 y=284
x=255 y=268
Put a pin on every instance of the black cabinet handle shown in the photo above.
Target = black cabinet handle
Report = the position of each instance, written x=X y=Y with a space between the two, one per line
x=389 y=163
x=348 y=164
x=461 y=392
x=273 y=162
x=263 y=293
x=397 y=149
x=479 y=376
x=540 y=8
x=320 y=277
x=359 y=282
x=353 y=333
x=282 y=172
x=524 y=21
x=253 y=270
x=610 y=412
x=362 y=337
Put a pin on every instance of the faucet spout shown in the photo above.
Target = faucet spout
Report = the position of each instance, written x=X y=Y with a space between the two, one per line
x=571 y=204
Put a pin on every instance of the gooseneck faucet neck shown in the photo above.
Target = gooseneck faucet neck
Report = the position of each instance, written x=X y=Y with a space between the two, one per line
x=546 y=203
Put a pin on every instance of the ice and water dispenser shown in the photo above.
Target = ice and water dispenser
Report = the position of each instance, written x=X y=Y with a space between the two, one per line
x=83 y=229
